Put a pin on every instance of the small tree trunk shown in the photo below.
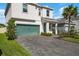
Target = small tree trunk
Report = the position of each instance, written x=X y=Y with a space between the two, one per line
x=69 y=25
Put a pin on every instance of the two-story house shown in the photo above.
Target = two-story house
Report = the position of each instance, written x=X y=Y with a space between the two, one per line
x=30 y=18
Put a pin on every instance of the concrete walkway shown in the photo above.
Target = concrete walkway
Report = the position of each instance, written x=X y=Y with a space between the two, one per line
x=49 y=46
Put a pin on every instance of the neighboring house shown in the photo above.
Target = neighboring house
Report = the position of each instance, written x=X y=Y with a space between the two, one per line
x=63 y=24
x=30 y=18
x=2 y=29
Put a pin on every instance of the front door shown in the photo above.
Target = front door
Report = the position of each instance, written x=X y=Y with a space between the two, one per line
x=44 y=26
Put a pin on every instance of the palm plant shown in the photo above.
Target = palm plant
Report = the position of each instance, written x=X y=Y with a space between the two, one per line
x=69 y=12
x=11 y=31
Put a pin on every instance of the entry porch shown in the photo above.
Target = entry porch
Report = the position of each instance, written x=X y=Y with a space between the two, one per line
x=48 y=27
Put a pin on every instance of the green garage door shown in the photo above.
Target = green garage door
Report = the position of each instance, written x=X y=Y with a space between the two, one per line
x=27 y=30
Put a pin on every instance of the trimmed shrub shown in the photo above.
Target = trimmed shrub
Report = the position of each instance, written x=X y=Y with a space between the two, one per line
x=65 y=34
x=46 y=34
x=76 y=36
x=11 y=29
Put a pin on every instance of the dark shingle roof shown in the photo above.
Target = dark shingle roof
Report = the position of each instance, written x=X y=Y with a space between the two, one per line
x=63 y=20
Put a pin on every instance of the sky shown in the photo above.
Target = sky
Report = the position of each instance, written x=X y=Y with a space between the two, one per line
x=2 y=10
x=57 y=9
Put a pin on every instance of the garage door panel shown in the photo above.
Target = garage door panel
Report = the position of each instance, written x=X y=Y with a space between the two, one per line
x=24 y=30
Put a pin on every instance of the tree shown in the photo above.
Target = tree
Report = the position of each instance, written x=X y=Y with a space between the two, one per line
x=11 y=29
x=69 y=12
x=0 y=52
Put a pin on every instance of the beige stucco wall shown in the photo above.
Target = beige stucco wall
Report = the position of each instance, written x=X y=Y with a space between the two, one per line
x=33 y=12
x=44 y=13
x=3 y=30
x=76 y=22
x=17 y=12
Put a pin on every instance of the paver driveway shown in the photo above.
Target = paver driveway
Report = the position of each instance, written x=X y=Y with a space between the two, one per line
x=49 y=46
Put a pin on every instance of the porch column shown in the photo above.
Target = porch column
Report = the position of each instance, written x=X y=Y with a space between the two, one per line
x=56 y=31
x=47 y=27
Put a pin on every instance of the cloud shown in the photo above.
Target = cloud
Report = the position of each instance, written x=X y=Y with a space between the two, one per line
x=2 y=17
x=60 y=13
x=2 y=13
x=61 y=9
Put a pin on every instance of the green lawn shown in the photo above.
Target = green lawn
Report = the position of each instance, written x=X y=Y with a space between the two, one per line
x=71 y=39
x=11 y=47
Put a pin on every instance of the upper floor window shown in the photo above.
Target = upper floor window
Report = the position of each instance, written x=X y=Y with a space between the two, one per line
x=39 y=11
x=47 y=12
x=24 y=7
x=35 y=7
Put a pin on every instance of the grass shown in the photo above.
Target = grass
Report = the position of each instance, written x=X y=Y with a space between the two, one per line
x=71 y=39
x=11 y=47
